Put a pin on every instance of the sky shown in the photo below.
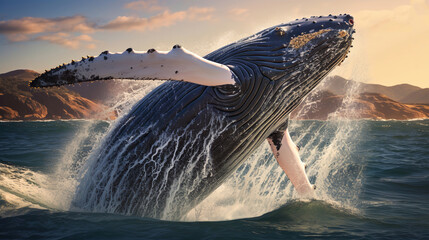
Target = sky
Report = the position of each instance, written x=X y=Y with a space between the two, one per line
x=391 y=44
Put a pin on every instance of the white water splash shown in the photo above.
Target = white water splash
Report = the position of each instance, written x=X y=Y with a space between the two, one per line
x=260 y=186
x=75 y=161
x=110 y=172
x=22 y=188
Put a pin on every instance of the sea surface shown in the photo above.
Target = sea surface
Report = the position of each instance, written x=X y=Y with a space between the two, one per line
x=372 y=181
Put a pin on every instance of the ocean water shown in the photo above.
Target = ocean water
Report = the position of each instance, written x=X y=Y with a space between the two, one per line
x=372 y=181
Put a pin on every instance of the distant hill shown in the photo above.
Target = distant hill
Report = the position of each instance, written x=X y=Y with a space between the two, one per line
x=420 y=96
x=20 y=102
x=404 y=93
x=326 y=104
x=20 y=73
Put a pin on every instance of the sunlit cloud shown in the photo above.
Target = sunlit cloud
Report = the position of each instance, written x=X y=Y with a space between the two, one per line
x=141 y=24
x=163 y=19
x=53 y=30
x=200 y=14
x=65 y=39
x=20 y=29
x=239 y=11
x=146 y=6
x=63 y=30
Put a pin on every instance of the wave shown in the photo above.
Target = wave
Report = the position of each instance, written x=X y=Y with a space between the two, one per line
x=311 y=210
x=21 y=188
x=396 y=120
x=306 y=219
x=33 y=195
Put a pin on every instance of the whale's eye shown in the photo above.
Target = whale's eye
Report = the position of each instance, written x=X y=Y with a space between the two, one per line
x=351 y=21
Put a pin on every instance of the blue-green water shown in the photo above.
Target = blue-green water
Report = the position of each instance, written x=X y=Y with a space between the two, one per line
x=372 y=181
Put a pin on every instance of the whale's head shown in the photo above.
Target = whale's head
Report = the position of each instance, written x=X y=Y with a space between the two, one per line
x=300 y=52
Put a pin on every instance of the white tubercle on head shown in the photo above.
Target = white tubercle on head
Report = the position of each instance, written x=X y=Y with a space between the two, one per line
x=178 y=64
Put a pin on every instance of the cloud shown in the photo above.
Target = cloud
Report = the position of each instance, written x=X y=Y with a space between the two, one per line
x=164 y=19
x=65 y=39
x=141 y=24
x=20 y=29
x=54 y=30
x=147 y=6
x=200 y=14
x=239 y=11
x=65 y=30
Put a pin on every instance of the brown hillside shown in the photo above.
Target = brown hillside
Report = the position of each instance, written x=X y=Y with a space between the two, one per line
x=20 y=102
x=418 y=97
x=364 y=105
x=339 y=86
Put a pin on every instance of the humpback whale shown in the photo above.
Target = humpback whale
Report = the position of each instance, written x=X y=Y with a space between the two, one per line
x=184 y=138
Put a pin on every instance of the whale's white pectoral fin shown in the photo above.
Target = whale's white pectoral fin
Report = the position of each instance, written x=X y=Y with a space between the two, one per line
x=286 y=154
x=178 y=64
